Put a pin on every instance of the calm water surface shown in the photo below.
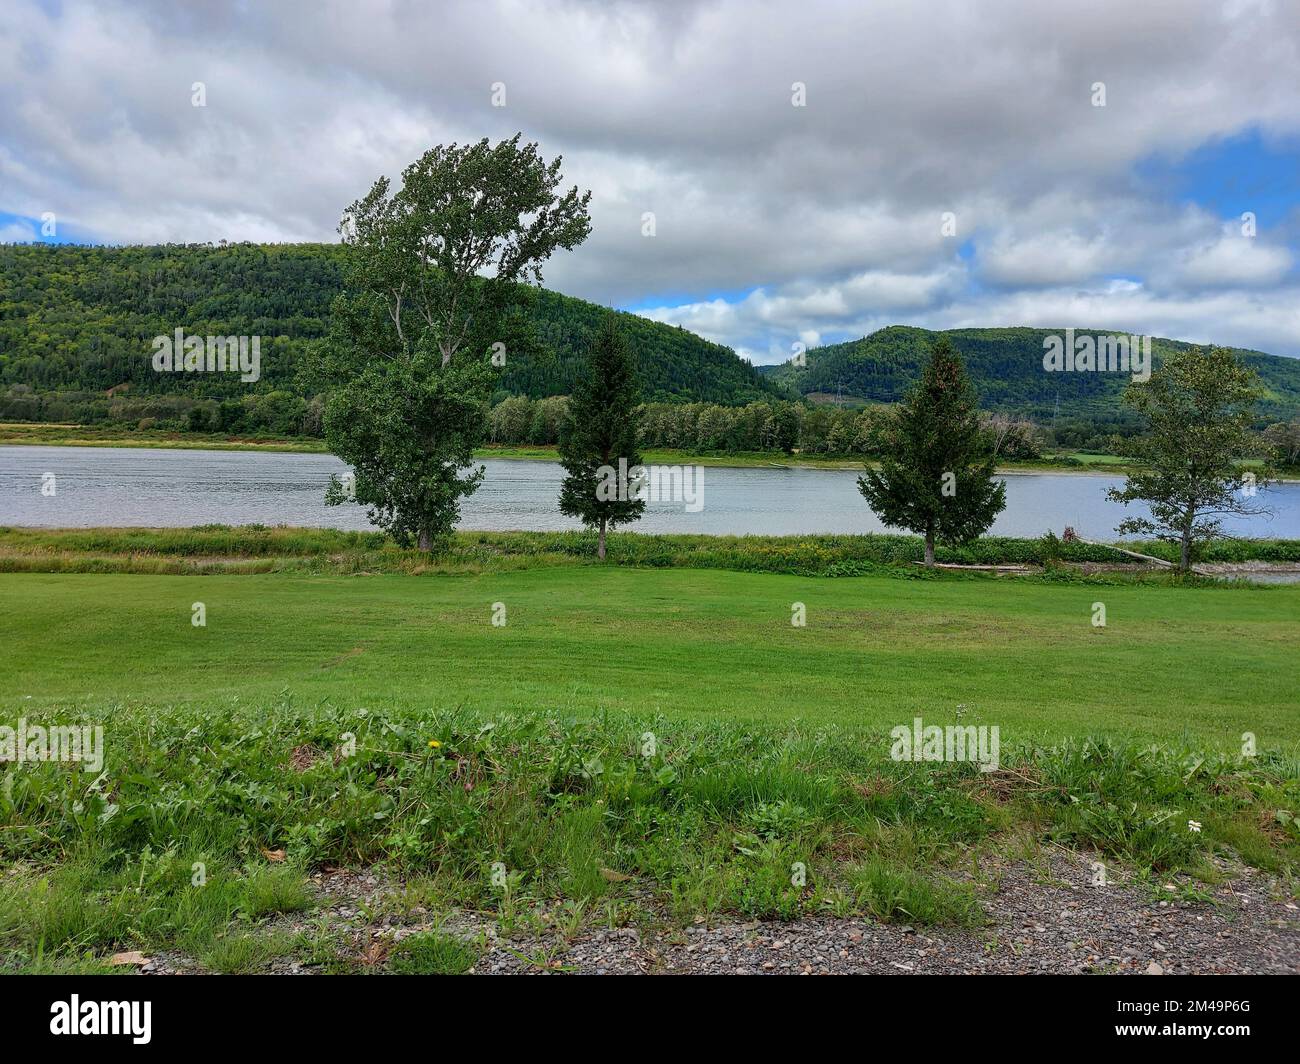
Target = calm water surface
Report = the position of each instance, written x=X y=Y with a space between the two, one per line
x=142 y=486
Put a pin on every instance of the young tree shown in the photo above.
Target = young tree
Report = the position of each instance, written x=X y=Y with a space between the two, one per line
x=1199 y=407
x=936 y=476
x=599 y=429
x=436 y=279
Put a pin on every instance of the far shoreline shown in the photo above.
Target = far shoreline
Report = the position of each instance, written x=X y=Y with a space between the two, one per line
x=43 y=435
x=39 y=434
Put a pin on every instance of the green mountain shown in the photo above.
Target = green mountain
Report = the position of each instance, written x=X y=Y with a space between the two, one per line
x=76 y=319
x=1006 y=366
x=77 y=323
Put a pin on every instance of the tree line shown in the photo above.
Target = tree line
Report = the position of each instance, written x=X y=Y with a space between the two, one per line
x=763 y=427
x=771 y=426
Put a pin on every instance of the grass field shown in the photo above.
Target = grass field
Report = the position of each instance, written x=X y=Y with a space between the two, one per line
x=1210 y=663
x=504 y=769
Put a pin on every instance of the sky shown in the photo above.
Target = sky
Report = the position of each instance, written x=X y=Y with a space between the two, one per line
x=815 y=171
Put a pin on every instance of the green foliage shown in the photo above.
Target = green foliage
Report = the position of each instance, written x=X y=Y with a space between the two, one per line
x=1052 y=548
x=893 y=893
x=674 y=364
x=442 y=254
x=1006 y=366
x=936 y=477
x=1131 y=802
x=78 y=321
x=1283 y=441
x=409 y=430
x=431 y=953
x=435 y=284
x=1199 y=407
x=598 y=439
x=766 y=427
x=254 y=549
x=223 y=783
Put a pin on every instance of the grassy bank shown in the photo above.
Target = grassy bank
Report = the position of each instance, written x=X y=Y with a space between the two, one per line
x=54 y=435
x=198 y=836
x=261 y=549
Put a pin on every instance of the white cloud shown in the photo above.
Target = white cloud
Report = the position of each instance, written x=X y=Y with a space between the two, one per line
x=1234 y=259
x=1045 y=259
x=826 y=217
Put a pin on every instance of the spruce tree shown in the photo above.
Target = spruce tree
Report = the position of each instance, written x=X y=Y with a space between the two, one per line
x=598 y=440
x=936 y=476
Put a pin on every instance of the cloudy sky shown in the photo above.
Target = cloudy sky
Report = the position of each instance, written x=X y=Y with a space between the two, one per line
x=950 y=165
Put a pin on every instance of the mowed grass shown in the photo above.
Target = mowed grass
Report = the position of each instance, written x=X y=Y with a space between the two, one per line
x=1172 y=663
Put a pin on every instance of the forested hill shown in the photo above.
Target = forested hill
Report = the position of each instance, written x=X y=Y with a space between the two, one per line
x=1006 y=366
x=75 y=318
x=78 y=321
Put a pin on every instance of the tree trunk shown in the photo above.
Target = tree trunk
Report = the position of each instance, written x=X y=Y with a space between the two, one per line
x=426 y=540
x=1185 y=562
x=929 y=546
x=600 y=550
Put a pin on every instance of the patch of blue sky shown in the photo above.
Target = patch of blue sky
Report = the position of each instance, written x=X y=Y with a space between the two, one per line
x=1252 y=171
x=48 y=229
x=682 y=298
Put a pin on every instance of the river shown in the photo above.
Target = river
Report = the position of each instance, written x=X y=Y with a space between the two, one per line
x=155 y=486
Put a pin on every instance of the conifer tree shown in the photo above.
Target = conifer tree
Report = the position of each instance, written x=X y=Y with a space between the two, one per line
x=598 y=440
x=936 y=476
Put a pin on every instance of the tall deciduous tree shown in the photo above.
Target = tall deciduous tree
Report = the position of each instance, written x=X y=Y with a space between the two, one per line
x=1199 y=406
x=598 y=439
x=936 y=476
x=436 y=278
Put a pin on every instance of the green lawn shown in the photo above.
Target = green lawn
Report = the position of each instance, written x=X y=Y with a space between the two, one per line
x=1173 y=662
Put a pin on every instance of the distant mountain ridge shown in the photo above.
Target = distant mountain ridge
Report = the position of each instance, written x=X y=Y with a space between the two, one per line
x=1006 y=367
x=74 y=317
x=77 y=319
